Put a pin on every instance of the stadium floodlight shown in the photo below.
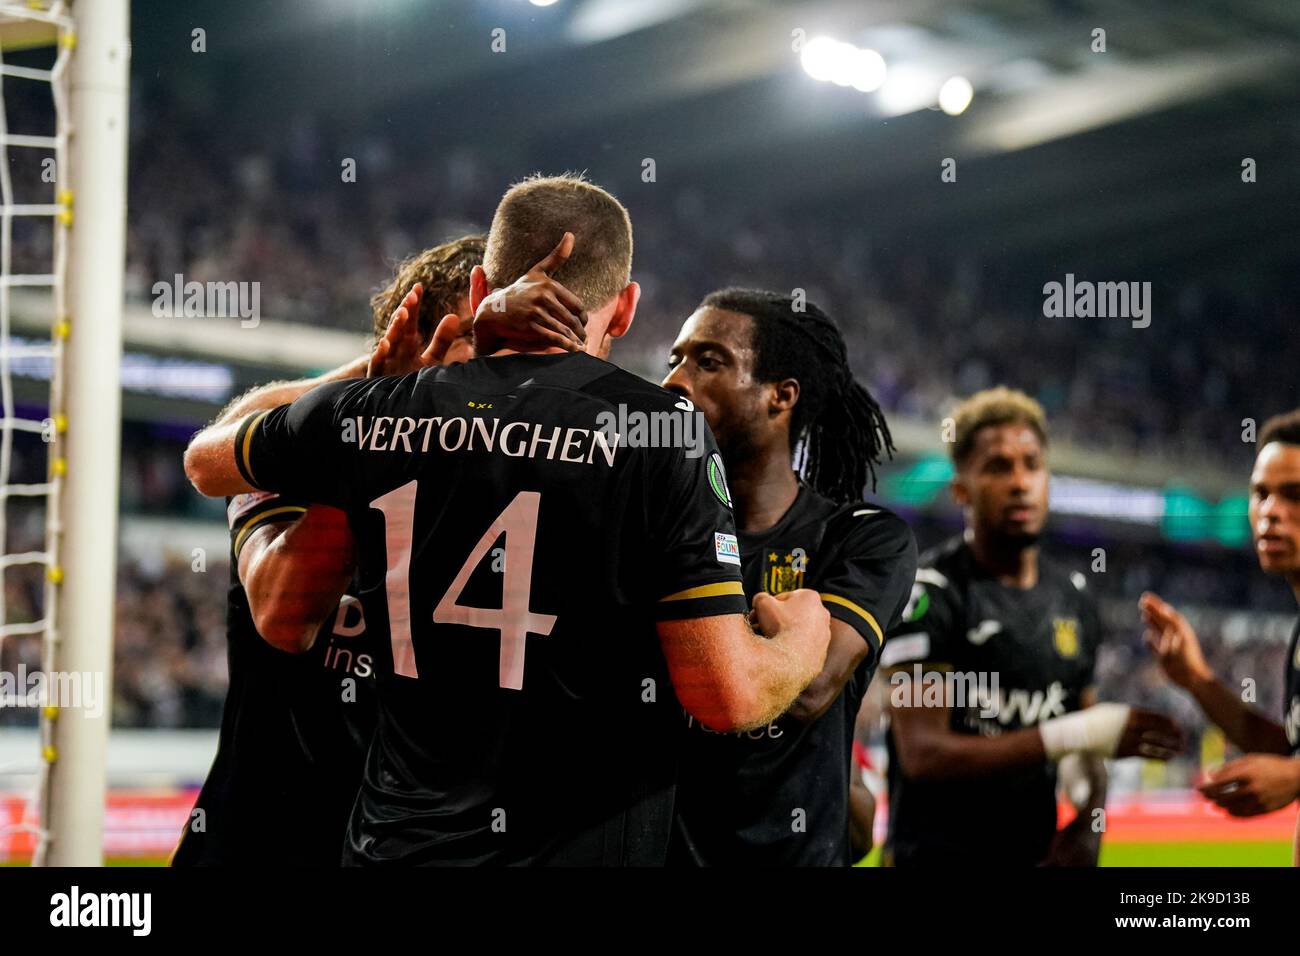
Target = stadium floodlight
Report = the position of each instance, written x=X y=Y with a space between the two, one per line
x=543 y=3
x=955 y=95
x=88 y=85
x=820 y=57
x=868 y=72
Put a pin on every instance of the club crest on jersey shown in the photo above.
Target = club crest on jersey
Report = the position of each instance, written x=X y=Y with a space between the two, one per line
x=1065 y=635
x=718 y=479
x=785 y=572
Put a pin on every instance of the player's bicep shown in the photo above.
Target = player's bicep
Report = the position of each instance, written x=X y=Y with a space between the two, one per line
x=695 y=556
x=868 y=575
x=306 y=448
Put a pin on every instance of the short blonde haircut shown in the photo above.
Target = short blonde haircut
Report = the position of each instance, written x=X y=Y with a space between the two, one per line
x=533 y=217
x=991 y=407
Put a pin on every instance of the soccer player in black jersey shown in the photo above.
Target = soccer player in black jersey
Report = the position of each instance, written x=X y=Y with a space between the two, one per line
x=300 y=711
x=1267 y=778
x=550 y=591
x=972 y=763
x=771 y=377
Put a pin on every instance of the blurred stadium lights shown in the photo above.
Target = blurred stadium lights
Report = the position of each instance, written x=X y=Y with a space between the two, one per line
x=598 y=20
x=955 y=95
x=542 y=3
x=909 y=88
x=843 y=64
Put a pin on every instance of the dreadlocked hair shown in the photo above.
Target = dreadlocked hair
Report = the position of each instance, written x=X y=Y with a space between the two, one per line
x=837 y=422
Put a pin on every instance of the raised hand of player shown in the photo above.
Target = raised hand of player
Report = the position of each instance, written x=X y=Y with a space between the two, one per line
x=400 y=350
x=1173 y=642
x=1254 y=784
x=533 y=312
x=1148 y=734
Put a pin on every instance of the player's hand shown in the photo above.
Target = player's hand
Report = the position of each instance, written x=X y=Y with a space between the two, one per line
x=1074 y=845
x=399 y=351
x=533 y=312
x=1254 y=784
x=1173 y=642
x=801 y=617
x=1148 y=734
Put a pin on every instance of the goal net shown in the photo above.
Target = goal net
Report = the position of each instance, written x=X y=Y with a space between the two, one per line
x=63 y=70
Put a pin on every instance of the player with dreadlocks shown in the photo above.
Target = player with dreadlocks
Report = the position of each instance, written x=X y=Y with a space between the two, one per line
x=800 y=439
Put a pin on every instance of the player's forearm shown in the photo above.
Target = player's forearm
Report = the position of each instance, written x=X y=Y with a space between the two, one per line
x=862 y=813
x=294 y=582
x=944 y=755
x=1250 y=730
x=275 y=394
x=846 y=651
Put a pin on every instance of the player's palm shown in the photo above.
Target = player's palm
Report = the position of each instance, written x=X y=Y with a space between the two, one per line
x=1173 y=641
x=399 y=351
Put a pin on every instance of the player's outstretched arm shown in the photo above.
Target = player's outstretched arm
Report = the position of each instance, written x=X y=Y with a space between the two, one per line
x=730 y=678
x=295 y=573
x=1177 y=648
x=929 y=750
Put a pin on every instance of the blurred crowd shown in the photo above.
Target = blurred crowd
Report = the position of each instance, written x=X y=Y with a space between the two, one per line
x=921 y=332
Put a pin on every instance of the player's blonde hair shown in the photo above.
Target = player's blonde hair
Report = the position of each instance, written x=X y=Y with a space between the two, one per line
x=533 y=216
x=994 y=406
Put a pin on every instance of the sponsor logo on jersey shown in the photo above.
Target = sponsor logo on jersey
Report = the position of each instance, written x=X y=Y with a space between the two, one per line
x=726 y=547
x=980 y=635
x=718 y=479
x=1065 y=635
x=785 y=572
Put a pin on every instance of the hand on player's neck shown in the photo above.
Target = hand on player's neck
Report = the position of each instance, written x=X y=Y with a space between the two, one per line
x=1012 y=563
x=762 y=490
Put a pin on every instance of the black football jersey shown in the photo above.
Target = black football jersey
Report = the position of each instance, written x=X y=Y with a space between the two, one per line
x=1023 y=656
x=294 y=730
x=517 y=551
x=1291 y=705
x=778 y=795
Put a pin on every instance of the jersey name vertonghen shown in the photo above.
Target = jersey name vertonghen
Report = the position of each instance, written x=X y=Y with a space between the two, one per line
x=517 y=555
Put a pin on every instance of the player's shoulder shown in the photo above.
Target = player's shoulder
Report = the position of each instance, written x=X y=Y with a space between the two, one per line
x=619 y=386
x=946 y=565
x=867 y=521
x=1063 y=577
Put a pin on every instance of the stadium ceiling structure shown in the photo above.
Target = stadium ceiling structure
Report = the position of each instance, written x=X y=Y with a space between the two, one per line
x=1130 y=156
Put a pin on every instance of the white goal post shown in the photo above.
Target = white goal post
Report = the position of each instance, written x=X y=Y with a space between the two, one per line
x=89 y=83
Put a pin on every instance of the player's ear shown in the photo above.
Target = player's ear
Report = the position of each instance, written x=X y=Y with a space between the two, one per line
x=624 y=311
x=785 y=395
x=478 y=287
x=958 y=488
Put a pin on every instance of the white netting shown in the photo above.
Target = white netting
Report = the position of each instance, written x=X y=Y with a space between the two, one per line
x=22 y=25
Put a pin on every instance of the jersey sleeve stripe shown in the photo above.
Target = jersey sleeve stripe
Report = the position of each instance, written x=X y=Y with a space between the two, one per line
x=262 y=518
x=707 y=590
x=243 y=443
x=860 y=611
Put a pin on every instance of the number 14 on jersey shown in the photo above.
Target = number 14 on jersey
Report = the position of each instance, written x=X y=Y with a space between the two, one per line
x=513 y=620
